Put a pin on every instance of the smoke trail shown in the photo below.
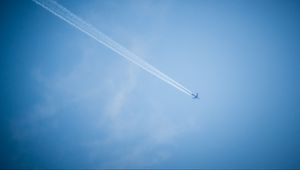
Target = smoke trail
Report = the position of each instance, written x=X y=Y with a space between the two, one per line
x=91 y=31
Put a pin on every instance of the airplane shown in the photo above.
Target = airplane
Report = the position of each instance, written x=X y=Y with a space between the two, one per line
x=195 y=96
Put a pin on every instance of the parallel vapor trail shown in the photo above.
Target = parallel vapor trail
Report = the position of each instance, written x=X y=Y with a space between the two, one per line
x=63 y=13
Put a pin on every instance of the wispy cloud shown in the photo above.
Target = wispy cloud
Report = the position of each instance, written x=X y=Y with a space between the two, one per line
x=150 y=129
x=109 y=96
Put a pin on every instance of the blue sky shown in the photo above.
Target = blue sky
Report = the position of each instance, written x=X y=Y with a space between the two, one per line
x=69 y=102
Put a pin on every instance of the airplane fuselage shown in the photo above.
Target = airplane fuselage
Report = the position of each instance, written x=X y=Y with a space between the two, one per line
x=195 y=96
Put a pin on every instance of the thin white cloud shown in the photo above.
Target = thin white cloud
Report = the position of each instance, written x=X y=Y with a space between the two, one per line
x=150 y=129
x=110 y=97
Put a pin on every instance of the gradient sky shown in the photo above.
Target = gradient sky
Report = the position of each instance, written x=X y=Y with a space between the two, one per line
x=69 y=102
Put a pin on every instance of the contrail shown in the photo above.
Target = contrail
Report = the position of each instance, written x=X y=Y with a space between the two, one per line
x=66 y=15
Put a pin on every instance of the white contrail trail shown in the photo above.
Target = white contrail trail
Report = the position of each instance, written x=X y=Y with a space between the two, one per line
x=63 y=13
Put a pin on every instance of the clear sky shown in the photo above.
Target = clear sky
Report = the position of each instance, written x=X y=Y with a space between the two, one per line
x=69 y=102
